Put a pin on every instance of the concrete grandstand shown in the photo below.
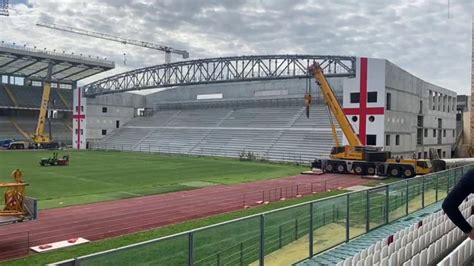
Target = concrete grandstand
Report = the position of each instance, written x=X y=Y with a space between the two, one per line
x=22 y=72
x=264 y=115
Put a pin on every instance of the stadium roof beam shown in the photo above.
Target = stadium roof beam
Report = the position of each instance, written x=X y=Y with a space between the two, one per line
x=221 y=70
x=33 y=63
x=62 y=70
x=76 y=73
x=18 y=70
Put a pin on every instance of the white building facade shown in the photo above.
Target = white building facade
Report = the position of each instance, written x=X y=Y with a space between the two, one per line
x=391 y=108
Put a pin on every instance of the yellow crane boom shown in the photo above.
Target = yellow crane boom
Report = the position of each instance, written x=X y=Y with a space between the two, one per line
x=39 y=137
x=356 y=158
x=335 y=107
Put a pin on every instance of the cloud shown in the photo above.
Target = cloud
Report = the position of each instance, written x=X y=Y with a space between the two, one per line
x=414 y=34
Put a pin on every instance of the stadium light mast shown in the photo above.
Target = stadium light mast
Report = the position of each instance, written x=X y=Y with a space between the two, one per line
x=168 y=50
x=4 y=8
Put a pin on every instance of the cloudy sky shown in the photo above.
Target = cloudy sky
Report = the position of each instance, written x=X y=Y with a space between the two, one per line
x=422 y=36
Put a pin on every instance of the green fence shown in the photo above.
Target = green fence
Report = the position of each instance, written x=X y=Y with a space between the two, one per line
x=289 y=234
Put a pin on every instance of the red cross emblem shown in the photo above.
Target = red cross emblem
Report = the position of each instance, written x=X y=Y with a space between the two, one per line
x=78 y=117
x=363 y=111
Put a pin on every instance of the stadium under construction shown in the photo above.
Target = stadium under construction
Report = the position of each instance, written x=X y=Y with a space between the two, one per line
x=250 y=108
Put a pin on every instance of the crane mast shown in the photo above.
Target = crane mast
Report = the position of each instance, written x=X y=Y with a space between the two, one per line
x=335 y=107
x=168 y=50
x=39 y=137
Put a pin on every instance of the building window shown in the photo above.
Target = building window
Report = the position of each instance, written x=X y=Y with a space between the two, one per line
x=371 y=118
x=397 y=140
x=426 y=132
x=454 y=133
x=82 y=131
x=371 y=139
x=76 y=131
x=434 y=133
x=77 y=109
x=354 y=118
x=104 y=132
x=82 y=108
x=389 y=101
x=387 y=140
x=372 y=97
x=444 y=133
x=419 y=155
x=117 y=123
x=425 y=155
x=355 y=97
x=104 y=109
x=444 y=154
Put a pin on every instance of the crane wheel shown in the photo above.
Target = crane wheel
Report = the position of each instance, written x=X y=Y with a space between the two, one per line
x=329 y=168
x=340 y=168
x=408 y=172
x=371 y=170
x=395 y=172
x=359 y=169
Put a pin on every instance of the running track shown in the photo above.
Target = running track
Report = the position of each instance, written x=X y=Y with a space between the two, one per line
x=113 y=218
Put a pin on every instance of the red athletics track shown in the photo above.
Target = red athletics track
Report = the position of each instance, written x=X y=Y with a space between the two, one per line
x=113 y=218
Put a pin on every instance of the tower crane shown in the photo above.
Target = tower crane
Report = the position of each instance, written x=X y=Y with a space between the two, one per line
x=168 y=50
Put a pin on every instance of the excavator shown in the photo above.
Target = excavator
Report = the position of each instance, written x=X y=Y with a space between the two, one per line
x=39 y=138
x=356 y=158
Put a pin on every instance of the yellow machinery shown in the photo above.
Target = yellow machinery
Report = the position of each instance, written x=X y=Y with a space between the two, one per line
x=39 y=137
x=14 y=195
x=354 y=157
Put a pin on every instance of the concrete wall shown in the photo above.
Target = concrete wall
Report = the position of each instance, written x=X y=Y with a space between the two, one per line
x=120 y=107
x=406 y=92
x=241 y=90
x=368 y=116
x=464 y=107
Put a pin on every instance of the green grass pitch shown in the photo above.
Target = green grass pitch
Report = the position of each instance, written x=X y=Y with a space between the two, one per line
x=94 y=176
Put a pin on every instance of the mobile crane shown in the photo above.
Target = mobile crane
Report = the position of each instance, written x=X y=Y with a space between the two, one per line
x=356 y=158
x=39 y=138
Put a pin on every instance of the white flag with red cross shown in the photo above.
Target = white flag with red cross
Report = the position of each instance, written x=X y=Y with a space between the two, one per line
x=79 y=140
x=364 y=101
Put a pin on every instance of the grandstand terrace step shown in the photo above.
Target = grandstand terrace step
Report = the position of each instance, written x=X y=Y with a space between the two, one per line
x=5 y=98
x=63 y=100
x=8 y=130
x=30 y=96
x=265 y=131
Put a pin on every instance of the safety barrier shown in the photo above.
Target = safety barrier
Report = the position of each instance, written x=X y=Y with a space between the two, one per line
x=293 y=233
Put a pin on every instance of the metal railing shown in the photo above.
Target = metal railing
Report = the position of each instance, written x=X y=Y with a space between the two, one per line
x=289 y=234
x=206 y=152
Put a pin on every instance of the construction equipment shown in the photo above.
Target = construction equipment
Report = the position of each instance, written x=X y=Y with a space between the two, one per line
x=40 y=139
x=14 y=195
x=18 y=145
x=356 y=158
x=168 y=50
x=55 y=161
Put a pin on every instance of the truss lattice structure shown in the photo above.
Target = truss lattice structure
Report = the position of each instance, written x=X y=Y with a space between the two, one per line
x=221 y=70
